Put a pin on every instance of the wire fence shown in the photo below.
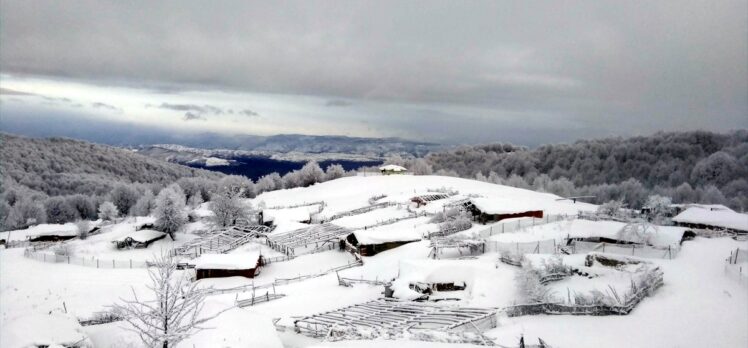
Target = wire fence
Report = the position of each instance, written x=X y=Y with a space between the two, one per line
x=50 y=257
x=646 y=251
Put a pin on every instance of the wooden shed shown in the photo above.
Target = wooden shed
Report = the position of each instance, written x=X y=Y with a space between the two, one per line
x=138 y=239
x=371 y=242
x=246 y=265
x=486 y=210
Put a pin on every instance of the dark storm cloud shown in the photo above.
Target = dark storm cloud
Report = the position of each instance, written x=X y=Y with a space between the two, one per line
x=615 y=65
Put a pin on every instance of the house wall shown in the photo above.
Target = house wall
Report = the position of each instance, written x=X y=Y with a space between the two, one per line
x=221 y=273
x=484 y=218
x=373 y=249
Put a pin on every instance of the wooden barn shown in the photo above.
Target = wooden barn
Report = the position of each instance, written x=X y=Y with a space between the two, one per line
x=246 y=265
x=716 y=218
x=391 y=169
x=486 y=210
x=371 y=242
x=138 y=239
x=53 y=236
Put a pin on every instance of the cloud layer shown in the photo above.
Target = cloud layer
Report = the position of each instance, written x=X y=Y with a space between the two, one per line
x=603 y=65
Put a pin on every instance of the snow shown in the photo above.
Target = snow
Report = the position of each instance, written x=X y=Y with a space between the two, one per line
x=246 y=260
x=725 y=218
x=297 y=214
x=33 y=330
x=141 y=236
x=403 y=231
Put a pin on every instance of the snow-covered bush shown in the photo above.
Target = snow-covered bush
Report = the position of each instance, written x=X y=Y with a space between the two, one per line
x=108 y=211
x=124 y=197
x=170 y=210
x=334 y=171
x=659 y=207
x=63 y=249
x=610 y=208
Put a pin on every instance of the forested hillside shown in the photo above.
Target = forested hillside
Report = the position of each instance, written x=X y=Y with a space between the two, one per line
x=686 y=166
x=58 y=166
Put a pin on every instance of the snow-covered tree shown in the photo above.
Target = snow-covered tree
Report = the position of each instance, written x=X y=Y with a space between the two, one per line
x=171 y=312
x=227 y=208
x=236 y=186
x=310 y=173
x=170 y=210
x=84 y=205
x=59 y=211
x=108 y=211
x=83 y=227
x=421 y=167
x=610 y=208
x=145 y=204
x=659 y=207
x=334 y=171
x=124 y=197
x=25 y=213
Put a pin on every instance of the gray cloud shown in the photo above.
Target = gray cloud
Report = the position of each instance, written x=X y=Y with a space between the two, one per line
x=8 y=91
x=608 y=65
x=249 y=113
x=189 y=116
x=105 y=106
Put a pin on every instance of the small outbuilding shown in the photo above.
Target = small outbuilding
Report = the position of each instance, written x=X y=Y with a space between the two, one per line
x=53 y=236
x=392 y=169
x=487 y=210
x=371 y=242
x=138 y=239
x=246 y=265
x=719 y=218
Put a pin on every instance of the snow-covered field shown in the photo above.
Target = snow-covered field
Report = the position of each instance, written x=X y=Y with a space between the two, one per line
x=698 y=306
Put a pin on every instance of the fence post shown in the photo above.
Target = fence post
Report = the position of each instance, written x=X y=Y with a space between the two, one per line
x=45 y=257
x=113 y=266
x=130 y=263
x=68 y=259
x=97 y=263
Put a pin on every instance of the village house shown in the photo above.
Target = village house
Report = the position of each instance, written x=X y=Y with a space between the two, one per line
x=487 y=210
x=246 y=265
x=712 y=217
x=372 y=241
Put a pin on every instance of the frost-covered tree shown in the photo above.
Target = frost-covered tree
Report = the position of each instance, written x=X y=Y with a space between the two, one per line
x=659 y=208
x=610 y=208
x=310 y=174
x=419 y=166
x=25 y=213
x=236 y=186
x=267 y=183
x=59 y=211
x=124 y=197
x=108 y=211
x=171 y=312
x=4 y=211
x=717 y=169
x=227 y=209
x=84 y=205
x=145 y=204
x=170 y=210
x=334 y=171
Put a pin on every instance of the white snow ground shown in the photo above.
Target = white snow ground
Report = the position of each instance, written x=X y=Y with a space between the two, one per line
x=698 y=306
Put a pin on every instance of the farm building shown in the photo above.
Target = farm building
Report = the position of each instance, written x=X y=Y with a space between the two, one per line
x=431 y=279
x=228 y=265
x=138 y=239
x=429 y=197
x=491 y=210
x=392 y=169
x=372 y=241
x=718 y=218
x=53 y=236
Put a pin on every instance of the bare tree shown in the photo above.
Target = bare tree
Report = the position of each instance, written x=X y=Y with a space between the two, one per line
x=173 y=314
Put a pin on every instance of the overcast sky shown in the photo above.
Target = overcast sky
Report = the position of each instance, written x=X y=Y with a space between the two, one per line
x=456 y=72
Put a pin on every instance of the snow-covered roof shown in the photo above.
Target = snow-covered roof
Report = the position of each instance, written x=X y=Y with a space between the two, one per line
x=246 y=260
x=720 y=218
x=142 y=236
x=502 y=206
x=393 y=168
x=32 y=330
x=703 y=206
x=379 y=236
